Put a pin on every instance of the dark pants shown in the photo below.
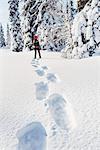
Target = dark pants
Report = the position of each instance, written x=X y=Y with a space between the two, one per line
x=37 y=50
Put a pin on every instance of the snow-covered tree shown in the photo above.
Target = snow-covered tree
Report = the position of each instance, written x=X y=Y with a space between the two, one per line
x=2 y=38
x=71 y=10
x=86 y=31
x=30 y=23
x=16 y=34
x=51 y=29
x=8 y=40
x=46 y=18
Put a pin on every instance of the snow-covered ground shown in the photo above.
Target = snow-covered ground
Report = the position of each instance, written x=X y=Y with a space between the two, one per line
x=56 y=96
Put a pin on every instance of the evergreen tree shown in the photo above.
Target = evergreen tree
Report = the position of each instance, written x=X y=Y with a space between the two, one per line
x=8 y=40
x=85 y=31
x=70 y=14
x=16 y=34
x=47 y=19
x=30 y=21
x=52 y=25
x=71 y=9
x=2 y=39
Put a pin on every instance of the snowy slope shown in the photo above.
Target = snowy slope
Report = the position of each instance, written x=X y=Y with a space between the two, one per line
x=74 y=82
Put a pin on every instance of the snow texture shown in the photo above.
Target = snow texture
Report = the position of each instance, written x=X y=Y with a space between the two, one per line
x=61 y=113
x=63 y=117
x=79 y=90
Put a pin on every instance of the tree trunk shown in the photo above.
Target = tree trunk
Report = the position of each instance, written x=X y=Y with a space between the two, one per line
x=81 y=4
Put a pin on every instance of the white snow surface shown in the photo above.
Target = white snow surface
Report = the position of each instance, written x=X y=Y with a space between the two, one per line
x=79 y=88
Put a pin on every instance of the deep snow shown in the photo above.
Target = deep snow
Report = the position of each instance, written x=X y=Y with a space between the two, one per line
x=79 y=86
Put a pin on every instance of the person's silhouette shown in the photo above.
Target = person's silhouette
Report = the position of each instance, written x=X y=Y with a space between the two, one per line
x=37 y=47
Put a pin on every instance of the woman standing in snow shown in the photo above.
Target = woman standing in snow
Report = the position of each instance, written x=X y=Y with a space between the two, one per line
x=36 y=46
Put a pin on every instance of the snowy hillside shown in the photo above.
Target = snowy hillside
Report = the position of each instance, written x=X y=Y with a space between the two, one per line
x=51 y=104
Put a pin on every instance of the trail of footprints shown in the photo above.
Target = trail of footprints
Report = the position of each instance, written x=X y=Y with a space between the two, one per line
x=34 y=135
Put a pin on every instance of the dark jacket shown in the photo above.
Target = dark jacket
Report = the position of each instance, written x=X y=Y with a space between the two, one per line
x=36 y=45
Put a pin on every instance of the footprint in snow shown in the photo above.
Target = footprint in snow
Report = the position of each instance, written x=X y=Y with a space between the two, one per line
x=42 y=90
x=40 y=69
x=61 y=112
x=40 y=72
x=32 y=137
x=44 y=67
x=52 y=77
x=35 y=62
x=34 y=65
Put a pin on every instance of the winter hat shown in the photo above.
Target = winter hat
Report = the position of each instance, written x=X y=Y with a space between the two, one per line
x=35 y=37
